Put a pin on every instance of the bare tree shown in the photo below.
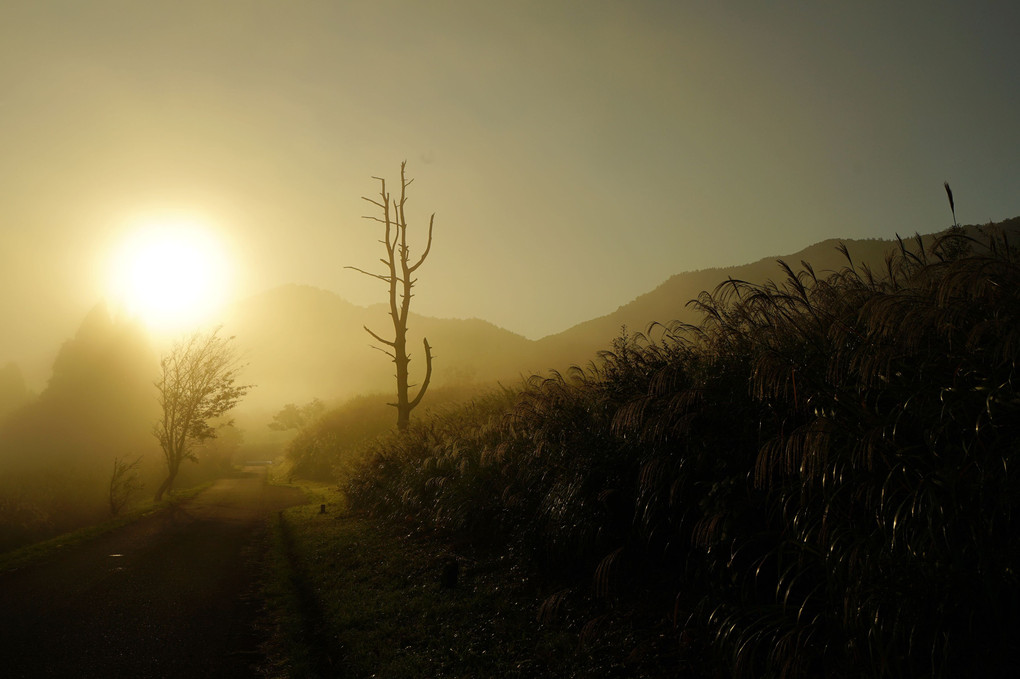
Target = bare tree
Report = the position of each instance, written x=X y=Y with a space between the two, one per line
x=400 y=279
x=197 y=385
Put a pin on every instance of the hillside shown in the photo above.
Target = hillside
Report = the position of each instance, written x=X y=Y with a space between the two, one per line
x=821 y=485
x=669 y=301
x=302 y=342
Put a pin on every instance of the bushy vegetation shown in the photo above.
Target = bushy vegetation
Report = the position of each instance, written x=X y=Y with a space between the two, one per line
x=815 y=480
x=337 y=439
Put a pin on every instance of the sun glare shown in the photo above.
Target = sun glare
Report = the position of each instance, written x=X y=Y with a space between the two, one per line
x=170 y=273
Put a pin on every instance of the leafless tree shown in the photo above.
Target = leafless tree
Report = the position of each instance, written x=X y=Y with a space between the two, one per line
x=399 y=276
x=197 y=386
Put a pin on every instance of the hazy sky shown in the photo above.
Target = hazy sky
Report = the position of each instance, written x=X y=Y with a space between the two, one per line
x=576 y=154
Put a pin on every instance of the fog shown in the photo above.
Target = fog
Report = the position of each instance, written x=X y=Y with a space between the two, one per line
x=575 y=157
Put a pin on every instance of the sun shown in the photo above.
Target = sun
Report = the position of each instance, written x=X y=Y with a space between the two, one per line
x=171 y=273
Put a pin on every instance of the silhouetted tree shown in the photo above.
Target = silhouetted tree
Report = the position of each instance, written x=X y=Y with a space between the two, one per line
x=399 y=278
x=197 y=385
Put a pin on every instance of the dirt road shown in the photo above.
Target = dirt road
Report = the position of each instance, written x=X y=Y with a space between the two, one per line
x=167 y=596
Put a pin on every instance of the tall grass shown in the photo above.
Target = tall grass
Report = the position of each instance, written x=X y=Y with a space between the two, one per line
x=817 y=479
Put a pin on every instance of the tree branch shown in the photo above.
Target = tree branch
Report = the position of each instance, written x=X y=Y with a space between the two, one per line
x=428 y=376
x=390 y=354
x=385 y=279
x=380 y=339
x=428 y=246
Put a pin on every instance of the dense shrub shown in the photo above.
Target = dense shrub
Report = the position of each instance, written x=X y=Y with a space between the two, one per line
x=336 y=439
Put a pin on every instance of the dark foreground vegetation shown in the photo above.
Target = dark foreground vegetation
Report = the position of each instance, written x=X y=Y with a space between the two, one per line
x=355 y=597
x=816 y=480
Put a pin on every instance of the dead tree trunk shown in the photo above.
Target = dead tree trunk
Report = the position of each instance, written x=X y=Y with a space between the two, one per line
x=400 y=279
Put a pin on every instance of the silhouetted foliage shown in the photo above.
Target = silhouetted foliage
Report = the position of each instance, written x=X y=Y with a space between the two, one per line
x=399 y=277
x=816 y=480
x=331 y=443
x=196 y=386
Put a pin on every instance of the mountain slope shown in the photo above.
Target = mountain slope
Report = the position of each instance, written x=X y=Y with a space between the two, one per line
x=669 y=301
x=303 y=342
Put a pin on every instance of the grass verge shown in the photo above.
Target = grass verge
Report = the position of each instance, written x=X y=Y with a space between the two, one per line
x=352 y=597
x=23 y=556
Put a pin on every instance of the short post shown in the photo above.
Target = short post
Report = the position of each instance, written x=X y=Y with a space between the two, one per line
x=322 y=509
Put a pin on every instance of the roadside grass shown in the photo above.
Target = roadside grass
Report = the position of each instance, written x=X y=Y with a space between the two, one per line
x=353 y=597
x=23 y=556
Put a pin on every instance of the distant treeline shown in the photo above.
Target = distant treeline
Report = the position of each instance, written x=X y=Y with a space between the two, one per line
x=815 y=480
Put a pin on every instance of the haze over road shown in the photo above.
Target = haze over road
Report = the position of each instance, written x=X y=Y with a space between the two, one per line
x=167 y=596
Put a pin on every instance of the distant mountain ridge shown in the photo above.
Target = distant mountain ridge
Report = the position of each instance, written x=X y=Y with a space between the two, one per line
x=668 y=301
x=303 y=342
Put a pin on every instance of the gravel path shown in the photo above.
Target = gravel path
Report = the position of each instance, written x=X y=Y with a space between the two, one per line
x=168 y=596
